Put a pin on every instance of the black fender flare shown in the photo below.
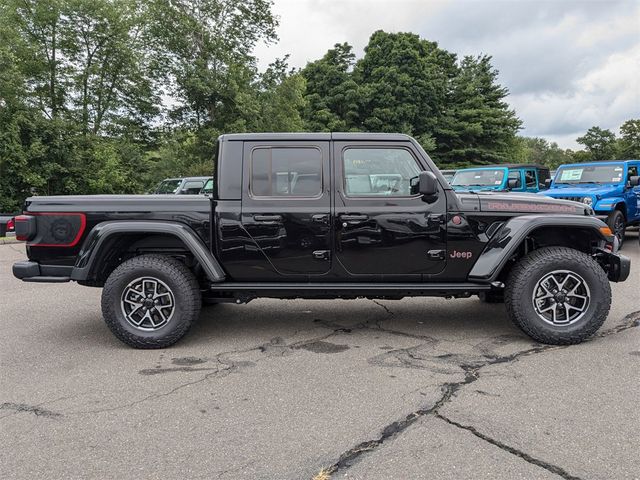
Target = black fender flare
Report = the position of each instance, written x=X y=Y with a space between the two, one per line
x=510 y=236
x=101 y=233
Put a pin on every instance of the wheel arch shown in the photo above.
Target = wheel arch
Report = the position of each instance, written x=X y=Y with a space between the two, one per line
x=110 y=243
x=622 y=207
x=520 y=235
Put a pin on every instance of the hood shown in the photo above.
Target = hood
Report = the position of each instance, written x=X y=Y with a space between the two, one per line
x=515 y=203
x=582 y=190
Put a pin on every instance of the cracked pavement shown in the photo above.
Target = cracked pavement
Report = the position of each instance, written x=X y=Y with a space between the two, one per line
x=417 y=388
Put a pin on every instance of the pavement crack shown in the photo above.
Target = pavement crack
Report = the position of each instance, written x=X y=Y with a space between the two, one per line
x=513 y=451
x=449 y=391
x=216 y=374
x=386 y=309
x=631 y=320
x=23 y=407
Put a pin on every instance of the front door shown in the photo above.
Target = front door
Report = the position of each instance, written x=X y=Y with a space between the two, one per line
x=286 y=207
x=383 y=232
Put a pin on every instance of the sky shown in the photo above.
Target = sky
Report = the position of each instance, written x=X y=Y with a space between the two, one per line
x=568 y=65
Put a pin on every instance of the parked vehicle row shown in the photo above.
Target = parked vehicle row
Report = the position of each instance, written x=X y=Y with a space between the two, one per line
x=325 y=215
x=610 y=188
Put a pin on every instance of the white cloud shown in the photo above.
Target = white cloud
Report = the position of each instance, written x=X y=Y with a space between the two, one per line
x=569 y=64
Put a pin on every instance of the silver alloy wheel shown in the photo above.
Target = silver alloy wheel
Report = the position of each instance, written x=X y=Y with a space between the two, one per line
x=147 y=303
x=561 y=297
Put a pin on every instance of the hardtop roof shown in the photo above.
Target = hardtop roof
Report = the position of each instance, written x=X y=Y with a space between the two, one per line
x=314 y=136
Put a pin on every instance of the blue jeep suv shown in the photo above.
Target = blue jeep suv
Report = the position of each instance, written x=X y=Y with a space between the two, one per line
x=609 y=187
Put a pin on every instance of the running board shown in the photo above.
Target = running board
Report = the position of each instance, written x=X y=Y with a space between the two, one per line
x=337 y=290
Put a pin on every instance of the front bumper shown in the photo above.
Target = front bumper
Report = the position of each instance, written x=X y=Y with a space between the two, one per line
x=29 y=271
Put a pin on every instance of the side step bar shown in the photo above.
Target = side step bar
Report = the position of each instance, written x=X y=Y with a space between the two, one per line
x=245 y=291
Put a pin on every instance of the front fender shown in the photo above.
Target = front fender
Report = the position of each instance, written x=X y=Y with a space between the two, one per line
x=99 y=237
x=510 y=236
x=606 y=205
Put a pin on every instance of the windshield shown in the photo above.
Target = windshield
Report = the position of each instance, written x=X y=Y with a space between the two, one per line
x=478 y=178
x=208 y=187
x=611 y=173
x=168 y=186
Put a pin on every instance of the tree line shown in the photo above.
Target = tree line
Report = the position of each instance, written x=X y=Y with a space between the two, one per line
x=110 y=96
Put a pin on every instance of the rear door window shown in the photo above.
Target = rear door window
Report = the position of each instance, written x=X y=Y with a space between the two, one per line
x=286 y=172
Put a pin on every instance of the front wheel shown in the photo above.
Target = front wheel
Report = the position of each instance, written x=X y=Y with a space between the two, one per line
x=150 y=301
x=558 y=295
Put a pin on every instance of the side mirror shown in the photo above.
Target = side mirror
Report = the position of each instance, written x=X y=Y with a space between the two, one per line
x=513 y=183
x=547 y=182
x=634 y=181
x=427 y=184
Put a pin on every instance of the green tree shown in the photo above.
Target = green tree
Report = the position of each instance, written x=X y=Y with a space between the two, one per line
x=404 y=83
x=478 y=126
x=629 y=141
x=206 y=46
x=599 y=143
x=541 y=151
x=332 y=95
x=279 y=99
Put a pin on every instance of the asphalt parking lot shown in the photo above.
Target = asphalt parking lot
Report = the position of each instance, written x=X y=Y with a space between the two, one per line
x=418 y=388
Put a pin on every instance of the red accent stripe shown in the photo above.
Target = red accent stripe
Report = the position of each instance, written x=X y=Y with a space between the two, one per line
x=83 y=226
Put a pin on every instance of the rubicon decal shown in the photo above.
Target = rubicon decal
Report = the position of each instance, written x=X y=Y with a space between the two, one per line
x=530 y=207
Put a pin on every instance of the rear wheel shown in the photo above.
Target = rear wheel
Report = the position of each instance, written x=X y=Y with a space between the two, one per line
x=150 y=301
x=558 y=295
x=617 y=224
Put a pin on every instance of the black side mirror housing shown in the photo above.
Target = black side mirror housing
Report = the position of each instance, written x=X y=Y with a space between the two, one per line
x=425 y=184
x=547 y=182
x=634 y=181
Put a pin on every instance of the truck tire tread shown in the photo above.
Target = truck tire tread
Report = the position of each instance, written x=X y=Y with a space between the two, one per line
x=183 y=283
x=517 y=296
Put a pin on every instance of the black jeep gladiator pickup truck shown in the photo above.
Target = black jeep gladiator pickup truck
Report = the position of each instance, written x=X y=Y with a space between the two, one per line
x=324 y=215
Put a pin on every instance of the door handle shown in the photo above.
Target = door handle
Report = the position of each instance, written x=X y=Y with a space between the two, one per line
x=320 y=218
x=267 y=218
x=354 y=218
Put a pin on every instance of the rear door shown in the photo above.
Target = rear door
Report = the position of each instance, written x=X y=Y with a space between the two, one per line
x=383 y=232
x=286 y=206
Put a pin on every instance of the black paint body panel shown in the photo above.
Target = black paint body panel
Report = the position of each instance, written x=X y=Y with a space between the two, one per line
x=451 y=237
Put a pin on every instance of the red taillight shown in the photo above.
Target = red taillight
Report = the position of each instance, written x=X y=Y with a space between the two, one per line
x=11 y=225
x=52 y=229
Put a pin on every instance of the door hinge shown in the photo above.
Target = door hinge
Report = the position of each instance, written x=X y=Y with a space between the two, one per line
x=321 y=254
x=435 y=254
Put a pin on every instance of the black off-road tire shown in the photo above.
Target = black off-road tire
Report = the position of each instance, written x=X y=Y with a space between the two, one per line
x=618 y=225
x=492 y=296
x=175 y=275
x=531 y=269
